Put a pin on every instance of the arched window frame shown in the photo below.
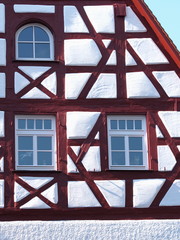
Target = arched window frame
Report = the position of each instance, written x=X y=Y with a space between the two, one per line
x=51 y=43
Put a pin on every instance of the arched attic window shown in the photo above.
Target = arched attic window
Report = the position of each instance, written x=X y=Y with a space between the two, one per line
x=34 y=42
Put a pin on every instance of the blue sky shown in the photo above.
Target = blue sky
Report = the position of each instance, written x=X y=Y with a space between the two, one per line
x=167 y=13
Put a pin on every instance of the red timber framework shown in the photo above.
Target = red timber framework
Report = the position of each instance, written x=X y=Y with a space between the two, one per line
x=111 y=59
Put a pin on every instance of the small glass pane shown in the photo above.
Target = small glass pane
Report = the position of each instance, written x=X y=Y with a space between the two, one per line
x=122 y=124
x=42 y=50
x=118 y=158
x=117 y=143
x=44 y=143
x=113 y=124
x=25 y=50
x=40 y=34
x=47 y=124
x=129 y=124
x=138 y=124
x=25 y=158
x=135 y=143
x=21 y=124
x=39 y=123
x=26 y=34
x=25 y=143
x=44 y=158
x=30 y=124
x=136 y=158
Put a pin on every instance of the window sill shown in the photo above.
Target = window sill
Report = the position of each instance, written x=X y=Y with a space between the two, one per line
x=36 y=171
x=36 y=60
x=131 y=170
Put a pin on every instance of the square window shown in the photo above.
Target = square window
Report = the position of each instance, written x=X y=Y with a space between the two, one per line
x=35 y=142
x=127 y=143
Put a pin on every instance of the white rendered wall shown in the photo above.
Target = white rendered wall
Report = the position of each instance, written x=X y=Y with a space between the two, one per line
x=91 y=230
x=24 y=8
x=2 y=18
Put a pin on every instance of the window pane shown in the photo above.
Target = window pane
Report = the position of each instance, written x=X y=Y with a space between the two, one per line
x=40 y=34
x=138 y=124
x=44 y=143
x=25 y=50
x=122 y=124
x=117 y=143
x=47 y=124
x=21 y=124
x=118 y=158
x=129 y=124
x=25 y=158
x=38 y=124
x=113 y=124
x=136 y=158
x=26 y=34
x=44 y=158
x=25 y=143
x=30 y=124
x=42 y=50
x=135 y=143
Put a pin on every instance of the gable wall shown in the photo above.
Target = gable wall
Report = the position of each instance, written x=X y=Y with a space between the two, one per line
x=115 y=66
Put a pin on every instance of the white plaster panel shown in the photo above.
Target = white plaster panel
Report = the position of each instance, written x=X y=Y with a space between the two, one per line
x=104 y=87
x=51 y=193
x=2 y=164
x=147 y=50
x=71 y=167
x=79 y=124
x=132 y=22
x=80 y=195
x=170 y=82
x=19 y=192
x=1 y=193
x=2 y=85
x=112 y=59
x=73 y=21
x=50 y=83
x=20 y=82
x=145 y=190
x=35 y=203
x=161 y=229
x=171 y=120
x=101 y=17
x=106 y=42
x=76 y=149
x=172 y=197
x=74 y=83
x=2 y=18
x=166 y=159
x=34 y=71
x=139 y=86
x=159 y=133
x=81 y=52
x=3 y=52
x=28 y=8
x=113 y=191
x=129 y=59
x=35 y=93
x=91 y=160
x=2 y=124
x=97 y=136
x=36 y=182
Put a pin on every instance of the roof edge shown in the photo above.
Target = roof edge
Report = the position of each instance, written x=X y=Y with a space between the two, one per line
x=160 y=33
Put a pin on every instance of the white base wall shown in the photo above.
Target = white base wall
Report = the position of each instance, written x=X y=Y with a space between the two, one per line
x=91 y=230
